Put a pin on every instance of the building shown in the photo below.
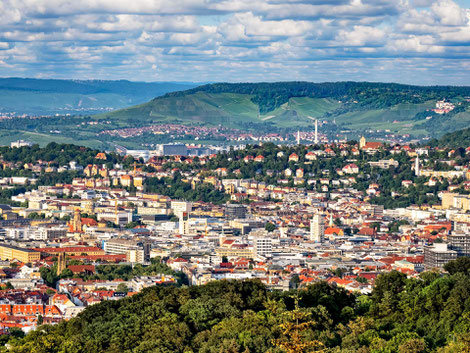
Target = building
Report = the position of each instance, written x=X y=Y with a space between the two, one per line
x=72 y=251
x=144 y=154
x=125 y=246
x=8 y=252
x=135 y=256
x=172 y=150
x=437 y=255
x=20 y=143
x=263 y=246
x=234 y=211
x=317 y=229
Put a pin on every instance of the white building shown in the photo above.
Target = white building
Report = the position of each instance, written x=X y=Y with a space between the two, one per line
x=263 y=246
x=317 y=228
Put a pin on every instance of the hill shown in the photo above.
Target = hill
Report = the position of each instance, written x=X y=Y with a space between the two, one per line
x=345 y=110
x=426 y=314
x=46 y=97
x=456 y=139
x=356 y=106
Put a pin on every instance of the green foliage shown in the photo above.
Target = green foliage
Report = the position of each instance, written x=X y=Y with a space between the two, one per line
x=459 y=265
x=427 y=314
x=270 y=227
x=178 y=189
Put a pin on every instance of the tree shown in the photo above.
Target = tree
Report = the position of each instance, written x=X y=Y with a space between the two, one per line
x=122 y=287
x=293 y=330
x=461 y=264
x=270 y=227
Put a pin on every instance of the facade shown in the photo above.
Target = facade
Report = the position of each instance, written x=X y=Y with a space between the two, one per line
x=263 y=246
x=124 y=246
x=437 y=255
x=234 y=211
x=8 y=252
x=317 y=229
x=173 y=150
x=460 y=242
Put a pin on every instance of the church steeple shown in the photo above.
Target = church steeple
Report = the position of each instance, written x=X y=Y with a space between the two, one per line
x=362 y=142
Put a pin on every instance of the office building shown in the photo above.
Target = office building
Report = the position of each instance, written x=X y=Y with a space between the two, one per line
x=234 y=211
x=437 y=255
x=263 y=246
x=317 y=229
x=8 y=252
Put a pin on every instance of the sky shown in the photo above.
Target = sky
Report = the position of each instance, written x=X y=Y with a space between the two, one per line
x=409 y=41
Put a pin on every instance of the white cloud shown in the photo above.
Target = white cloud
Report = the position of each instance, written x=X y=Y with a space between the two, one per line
x=232 y=39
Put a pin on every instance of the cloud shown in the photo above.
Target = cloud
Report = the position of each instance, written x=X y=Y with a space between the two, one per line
x=410 y=41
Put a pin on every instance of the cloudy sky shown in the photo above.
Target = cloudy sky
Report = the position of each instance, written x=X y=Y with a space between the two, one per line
x=410 y=41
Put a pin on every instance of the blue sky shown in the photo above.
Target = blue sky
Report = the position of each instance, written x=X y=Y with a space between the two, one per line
x=409 y=41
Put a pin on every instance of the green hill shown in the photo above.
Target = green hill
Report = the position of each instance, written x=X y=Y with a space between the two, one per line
x=346 y=109
x=351 y=105
x=45 y=97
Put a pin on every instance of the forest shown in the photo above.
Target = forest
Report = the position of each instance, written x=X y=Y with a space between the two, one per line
x=270 y=96
x=430 y=313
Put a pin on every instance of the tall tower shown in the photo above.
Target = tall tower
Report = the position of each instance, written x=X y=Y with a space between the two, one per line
x=298 y=137
x=61 y=264
x=417 y=166
x=316 y=131
x=75 y=225
x=317 y=229
x=362 y=142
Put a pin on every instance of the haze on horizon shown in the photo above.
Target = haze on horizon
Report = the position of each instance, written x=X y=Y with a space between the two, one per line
x=407 y=41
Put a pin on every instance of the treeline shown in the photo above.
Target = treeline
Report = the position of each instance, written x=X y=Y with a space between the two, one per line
x=176 y=188
x=457 y=139
x=270 y=96
x=416 y=315
x=111 y=272
x=58 y=154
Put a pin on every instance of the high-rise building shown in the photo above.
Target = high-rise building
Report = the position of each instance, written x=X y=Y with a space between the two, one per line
x=437 y=255
x=417 y=166
x=263 y=246
x=235 y=211
x=460 y=242
x=316 y=131
x=317 y=228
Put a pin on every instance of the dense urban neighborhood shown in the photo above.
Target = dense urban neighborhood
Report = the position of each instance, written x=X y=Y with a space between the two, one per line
x=80 y=226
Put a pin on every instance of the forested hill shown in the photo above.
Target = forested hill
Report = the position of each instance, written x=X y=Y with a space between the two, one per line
x=343 y=106
x=457 y=139
x=423 y=315
x=270 y=96
x=47 y=96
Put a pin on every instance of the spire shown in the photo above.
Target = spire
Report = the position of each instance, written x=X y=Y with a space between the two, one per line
x=316 y=131
x=417 y=166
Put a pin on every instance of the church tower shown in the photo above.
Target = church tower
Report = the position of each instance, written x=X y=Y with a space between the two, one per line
x=362 y=142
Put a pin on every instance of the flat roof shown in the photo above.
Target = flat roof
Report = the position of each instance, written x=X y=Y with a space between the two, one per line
x=17 y=248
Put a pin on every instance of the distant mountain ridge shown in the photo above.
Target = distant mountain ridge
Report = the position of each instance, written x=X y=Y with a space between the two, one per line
x=350 y=105
x=55 y=96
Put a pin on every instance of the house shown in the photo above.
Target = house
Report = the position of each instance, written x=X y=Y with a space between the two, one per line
x=293 y=157
x=350 y=169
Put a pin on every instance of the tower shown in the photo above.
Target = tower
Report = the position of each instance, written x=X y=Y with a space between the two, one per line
x=316 y=131
x=61 y=264
x=75 y=225
x=298 y=137
x=417 y=166
x=317 y=229
x=362 y=142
